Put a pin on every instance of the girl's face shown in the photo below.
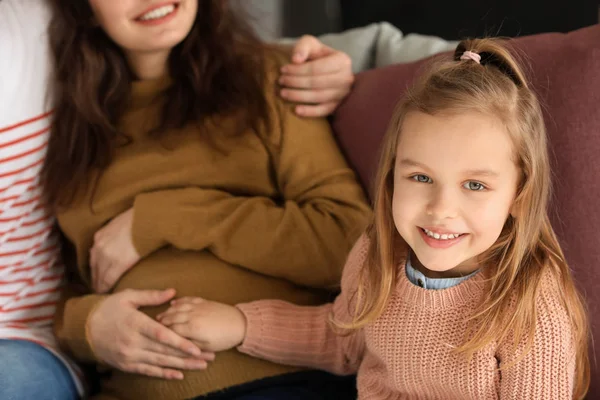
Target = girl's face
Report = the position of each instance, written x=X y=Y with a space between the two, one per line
x=145 y=26
x=455 y=181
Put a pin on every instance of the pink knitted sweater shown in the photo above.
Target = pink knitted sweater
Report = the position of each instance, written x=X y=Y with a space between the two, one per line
x=407 y=352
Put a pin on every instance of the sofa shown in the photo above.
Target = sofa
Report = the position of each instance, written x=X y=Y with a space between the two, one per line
x=565 y=72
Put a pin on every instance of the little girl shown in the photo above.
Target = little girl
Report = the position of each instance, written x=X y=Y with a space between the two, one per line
x=459 y=288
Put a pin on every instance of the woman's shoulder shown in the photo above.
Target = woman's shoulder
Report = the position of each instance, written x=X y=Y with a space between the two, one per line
x=274 y=57
x=283 y=119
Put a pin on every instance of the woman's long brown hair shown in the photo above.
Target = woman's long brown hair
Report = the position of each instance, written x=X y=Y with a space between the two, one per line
x=219 y=69
x=527 y=250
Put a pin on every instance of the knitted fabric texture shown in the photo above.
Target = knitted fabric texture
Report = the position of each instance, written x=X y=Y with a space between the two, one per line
x=408 y=352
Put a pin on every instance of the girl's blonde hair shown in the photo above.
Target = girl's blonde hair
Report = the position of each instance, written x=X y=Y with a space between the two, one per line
x=527 y=246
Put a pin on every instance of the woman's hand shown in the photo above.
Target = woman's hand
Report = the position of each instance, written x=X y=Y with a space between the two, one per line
x=214 y=326
x=125 y=338
x=113 y=252
x=319 y=77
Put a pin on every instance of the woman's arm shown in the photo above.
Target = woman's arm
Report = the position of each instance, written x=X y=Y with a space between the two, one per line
x=70 y=320
x=304 y=236
x=321 y=70
x=380 y=44
x=110 y=329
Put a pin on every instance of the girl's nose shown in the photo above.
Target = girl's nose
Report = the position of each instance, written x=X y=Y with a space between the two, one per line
x=443 y=204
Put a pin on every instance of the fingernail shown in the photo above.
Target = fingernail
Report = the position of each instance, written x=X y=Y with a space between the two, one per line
x=284 y=92
x=194 y=351
x=300 y=110
x=284 y=69
x=298 y=57
x=281 y=80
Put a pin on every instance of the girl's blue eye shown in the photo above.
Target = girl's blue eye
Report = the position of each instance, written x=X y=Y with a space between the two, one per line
x=474 y=186
x=422 y=178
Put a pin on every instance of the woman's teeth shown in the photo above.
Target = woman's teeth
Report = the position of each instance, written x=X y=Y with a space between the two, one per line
x=444 y=236
x=158 y=13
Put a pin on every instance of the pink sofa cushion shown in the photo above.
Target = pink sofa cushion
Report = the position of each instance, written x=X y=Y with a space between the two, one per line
x=565 y=71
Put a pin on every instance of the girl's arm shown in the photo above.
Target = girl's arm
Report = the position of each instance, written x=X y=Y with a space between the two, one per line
x=547 y=371
x=279 y=331
x=304 y=336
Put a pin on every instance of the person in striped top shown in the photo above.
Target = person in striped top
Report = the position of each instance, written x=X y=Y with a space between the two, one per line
x=30 y=270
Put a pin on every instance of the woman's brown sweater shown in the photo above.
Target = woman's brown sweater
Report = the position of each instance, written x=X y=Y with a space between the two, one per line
x=236 y=219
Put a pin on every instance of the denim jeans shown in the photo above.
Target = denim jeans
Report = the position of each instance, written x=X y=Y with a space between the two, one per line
x=29 y=371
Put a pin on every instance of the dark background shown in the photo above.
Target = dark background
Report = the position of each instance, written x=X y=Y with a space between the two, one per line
x=450 y=19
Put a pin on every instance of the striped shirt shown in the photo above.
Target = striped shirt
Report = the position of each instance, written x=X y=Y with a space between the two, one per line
x=31 y=274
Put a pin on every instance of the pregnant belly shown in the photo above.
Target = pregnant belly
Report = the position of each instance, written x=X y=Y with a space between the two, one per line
x=193 y=273
x=202 y=274
x=229 y=369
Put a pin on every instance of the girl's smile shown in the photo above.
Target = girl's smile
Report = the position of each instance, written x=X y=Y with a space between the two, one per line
x=440 y=239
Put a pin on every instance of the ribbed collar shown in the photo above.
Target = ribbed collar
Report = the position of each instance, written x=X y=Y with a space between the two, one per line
x=463 y=293
x=420 y=279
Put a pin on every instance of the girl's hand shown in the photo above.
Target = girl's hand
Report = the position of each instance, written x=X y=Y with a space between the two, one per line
x=319 y=77
x=113 y=252
x=214 y=326
x=125 y=338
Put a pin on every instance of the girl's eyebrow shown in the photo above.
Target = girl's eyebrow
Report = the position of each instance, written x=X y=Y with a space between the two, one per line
x=482 y=172
x=407 y=162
